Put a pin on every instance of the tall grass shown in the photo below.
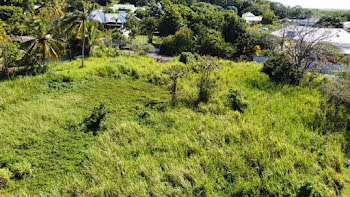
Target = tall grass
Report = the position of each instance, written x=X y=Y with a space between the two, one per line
x=273 y=148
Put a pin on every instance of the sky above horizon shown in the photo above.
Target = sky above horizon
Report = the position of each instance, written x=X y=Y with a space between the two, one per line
x=320 y=4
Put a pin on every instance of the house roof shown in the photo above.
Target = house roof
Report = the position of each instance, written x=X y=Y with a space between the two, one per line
x=105 y=18
x=346 y=25
x=248 y=14
x=310 y=20
x=251 y=17
x=335 y=36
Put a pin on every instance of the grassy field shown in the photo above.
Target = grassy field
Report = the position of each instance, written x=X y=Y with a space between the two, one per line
x=150 y=148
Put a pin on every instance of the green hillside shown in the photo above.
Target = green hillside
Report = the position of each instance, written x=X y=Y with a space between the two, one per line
x=151 y=148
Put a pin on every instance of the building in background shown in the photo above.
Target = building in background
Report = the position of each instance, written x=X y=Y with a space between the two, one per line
x=250 y=18
x=110 y=20
x=334 y=36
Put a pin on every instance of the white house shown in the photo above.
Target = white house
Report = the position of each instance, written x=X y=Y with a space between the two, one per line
x=250 y=17
x=337 y=37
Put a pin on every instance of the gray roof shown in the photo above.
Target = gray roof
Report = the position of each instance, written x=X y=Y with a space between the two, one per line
x=105 y=18
x=337 y=37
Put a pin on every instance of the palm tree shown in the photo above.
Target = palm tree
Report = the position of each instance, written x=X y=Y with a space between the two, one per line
x=51 y=10
x=44 y=44
x=93 y=36
x=76 y=21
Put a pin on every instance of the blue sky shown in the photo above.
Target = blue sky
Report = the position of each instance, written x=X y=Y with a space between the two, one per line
x=322 y=4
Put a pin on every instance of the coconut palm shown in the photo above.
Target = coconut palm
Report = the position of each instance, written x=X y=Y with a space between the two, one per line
x=51 y=10
x=44 y=44
x=75 y=22
x=94 y=35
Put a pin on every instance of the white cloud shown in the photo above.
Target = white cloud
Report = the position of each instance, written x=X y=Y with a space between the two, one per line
x=321 y=4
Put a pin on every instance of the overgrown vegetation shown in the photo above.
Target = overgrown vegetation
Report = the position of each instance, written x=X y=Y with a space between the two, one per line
x=148 y=147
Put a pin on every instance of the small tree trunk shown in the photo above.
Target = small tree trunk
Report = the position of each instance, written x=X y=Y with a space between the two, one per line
x=83 y=49
x=150 y=38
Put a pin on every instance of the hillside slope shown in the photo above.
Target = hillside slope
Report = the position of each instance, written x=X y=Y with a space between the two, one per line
x=150 y=148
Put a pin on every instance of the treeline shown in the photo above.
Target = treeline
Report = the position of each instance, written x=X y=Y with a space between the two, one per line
x=204 y=28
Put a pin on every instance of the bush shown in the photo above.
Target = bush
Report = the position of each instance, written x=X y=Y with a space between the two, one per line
x=188 y=57
x=206 y=67
x=281 y=69
x=95 y=123
x=236 y=100
x=103 y=51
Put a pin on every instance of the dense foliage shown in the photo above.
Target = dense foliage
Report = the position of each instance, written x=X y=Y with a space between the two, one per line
x=281 y=69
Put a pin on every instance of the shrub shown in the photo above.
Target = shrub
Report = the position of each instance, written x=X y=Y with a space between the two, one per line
x=175 y=72
x=5 y=176
x=96 y=122
x=206 y=67
x=21 y=170
x=337 y=108
x=306 y=190
x=188 y=57
x=236 y=100
x=281 y=69
x=103 y=51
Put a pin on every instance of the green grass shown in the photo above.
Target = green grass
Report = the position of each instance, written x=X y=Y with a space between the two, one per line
x=151 y=148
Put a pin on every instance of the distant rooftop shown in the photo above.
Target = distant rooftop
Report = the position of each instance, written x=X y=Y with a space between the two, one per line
x=113 y=19
x=335 y=36
x=346 y=25
x=250 y=17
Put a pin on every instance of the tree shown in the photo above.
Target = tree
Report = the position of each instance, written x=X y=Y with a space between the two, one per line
x=182 y=41
x=279 y=9
x=52 y=10
x=75 y=21
x=149 y=26
x=306 y=46
x=27 y=5
x=93 y=35
x=132 y=24
x=44 y=44
x=269 y=18
x=14 y=17
x=233 y=27
x=211 y=42
x=171 y=21
x=330 y=22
